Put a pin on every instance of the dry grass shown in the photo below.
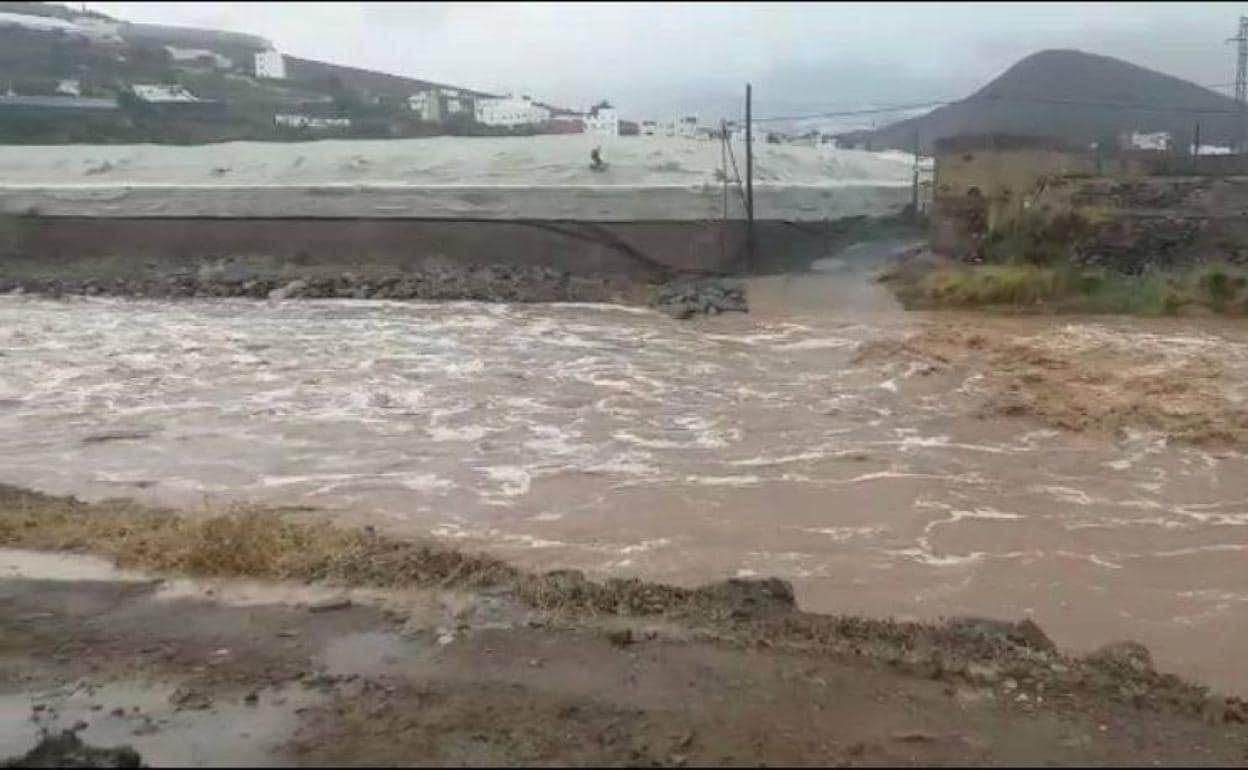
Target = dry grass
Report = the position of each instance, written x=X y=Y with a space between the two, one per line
x=235 y=543
x=265 y=544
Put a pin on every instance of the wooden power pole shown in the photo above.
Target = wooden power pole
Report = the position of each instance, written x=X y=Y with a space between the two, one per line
x=749 y=174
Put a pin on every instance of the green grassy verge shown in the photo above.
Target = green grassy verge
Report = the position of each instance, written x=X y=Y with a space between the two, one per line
x=1210 y=288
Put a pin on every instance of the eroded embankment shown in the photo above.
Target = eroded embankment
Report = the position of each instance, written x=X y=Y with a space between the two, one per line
x=1081 y=381
x=1017 y=658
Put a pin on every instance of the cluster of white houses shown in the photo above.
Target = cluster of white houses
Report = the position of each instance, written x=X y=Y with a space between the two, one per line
x=439 y=104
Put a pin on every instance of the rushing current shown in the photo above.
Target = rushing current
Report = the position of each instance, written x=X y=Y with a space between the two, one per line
x=622 y=442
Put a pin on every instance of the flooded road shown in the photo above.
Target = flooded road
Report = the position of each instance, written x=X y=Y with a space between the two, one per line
x=622 y=442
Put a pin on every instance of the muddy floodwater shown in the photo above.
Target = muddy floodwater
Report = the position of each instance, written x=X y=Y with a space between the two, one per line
x=622 y=442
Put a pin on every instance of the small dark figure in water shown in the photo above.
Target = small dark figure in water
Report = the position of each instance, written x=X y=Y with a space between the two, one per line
x=595 y=159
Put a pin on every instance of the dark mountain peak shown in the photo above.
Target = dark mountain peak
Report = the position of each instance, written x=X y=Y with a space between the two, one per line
x=1071 y=74
x=1076 y=97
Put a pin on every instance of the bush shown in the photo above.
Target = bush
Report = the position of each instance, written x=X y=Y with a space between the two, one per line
x=992 y=285
x=1218 y=288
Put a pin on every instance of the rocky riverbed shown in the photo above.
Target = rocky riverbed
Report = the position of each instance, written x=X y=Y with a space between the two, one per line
x=487 y=283
x=679 y=298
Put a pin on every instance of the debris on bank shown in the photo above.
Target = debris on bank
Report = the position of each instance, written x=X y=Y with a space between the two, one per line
x=485 y=283
x=685 y=299
x=68 y=750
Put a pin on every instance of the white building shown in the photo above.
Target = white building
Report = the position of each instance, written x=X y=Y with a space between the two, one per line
x=183 y=55
x=163 y=94
x=686 y=127
x=270 y=64
x=69 y=88
x=1155 y=141
x=602 y=119
x=455 y=103
x=428 y=104
x=510 y=111
x=436 y=104
x=307 y=121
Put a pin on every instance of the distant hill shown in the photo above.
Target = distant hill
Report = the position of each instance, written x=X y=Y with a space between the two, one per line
x=38 y=60
x=1049 y=94
x=225 y=43
x=310 y=71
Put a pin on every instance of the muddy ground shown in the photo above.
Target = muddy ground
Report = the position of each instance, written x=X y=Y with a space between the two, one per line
x=229 y=671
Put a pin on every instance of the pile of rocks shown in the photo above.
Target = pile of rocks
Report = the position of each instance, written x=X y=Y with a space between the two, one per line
x=685 y=299
x=488 y=283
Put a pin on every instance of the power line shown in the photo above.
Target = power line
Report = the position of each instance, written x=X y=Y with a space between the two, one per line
x=1135 y=106
x=1138 y=106
x=846 y=113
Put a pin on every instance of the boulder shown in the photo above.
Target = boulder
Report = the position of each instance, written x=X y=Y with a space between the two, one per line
x=746 y=599
x=685 y=299
x=289 y=291
x=1122 y=657
x=1025 y=633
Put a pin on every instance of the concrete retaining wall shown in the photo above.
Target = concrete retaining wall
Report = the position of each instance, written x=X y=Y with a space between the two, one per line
x=120 y=247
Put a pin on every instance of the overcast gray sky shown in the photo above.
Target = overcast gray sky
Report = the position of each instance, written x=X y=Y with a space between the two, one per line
x=654 y=59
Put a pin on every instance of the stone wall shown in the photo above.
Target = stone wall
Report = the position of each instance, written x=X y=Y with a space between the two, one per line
x=1128 y=212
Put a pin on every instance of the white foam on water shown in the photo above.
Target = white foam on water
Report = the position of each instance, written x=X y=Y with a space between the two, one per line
x=631 y=463
x=965 y=478
x=1065 y=494
x=762 y=461
x=554 y=441
x=988 y=514
x=927 y=558
x=1091 y=558
x=426 y=482
x=825 y=343
x=464 y=433
x=845 y=534
x=1193 y=551
x=513 y=480
x=724 y=481
x=645 y=546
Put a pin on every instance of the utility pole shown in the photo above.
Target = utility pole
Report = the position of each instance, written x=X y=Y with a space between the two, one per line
x=914 y=191
x=749 y=174
x=749 y=169
x=723 y=161
x=723 y=166
x=1241 y=78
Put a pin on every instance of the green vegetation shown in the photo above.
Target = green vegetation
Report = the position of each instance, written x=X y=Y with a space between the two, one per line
x=1213 y=288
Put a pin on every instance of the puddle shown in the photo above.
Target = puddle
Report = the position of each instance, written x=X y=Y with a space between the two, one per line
x=38 y=565
x=369 y=653
x=229 y=733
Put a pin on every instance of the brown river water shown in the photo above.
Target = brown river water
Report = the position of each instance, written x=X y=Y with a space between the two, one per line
x=622 y=442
